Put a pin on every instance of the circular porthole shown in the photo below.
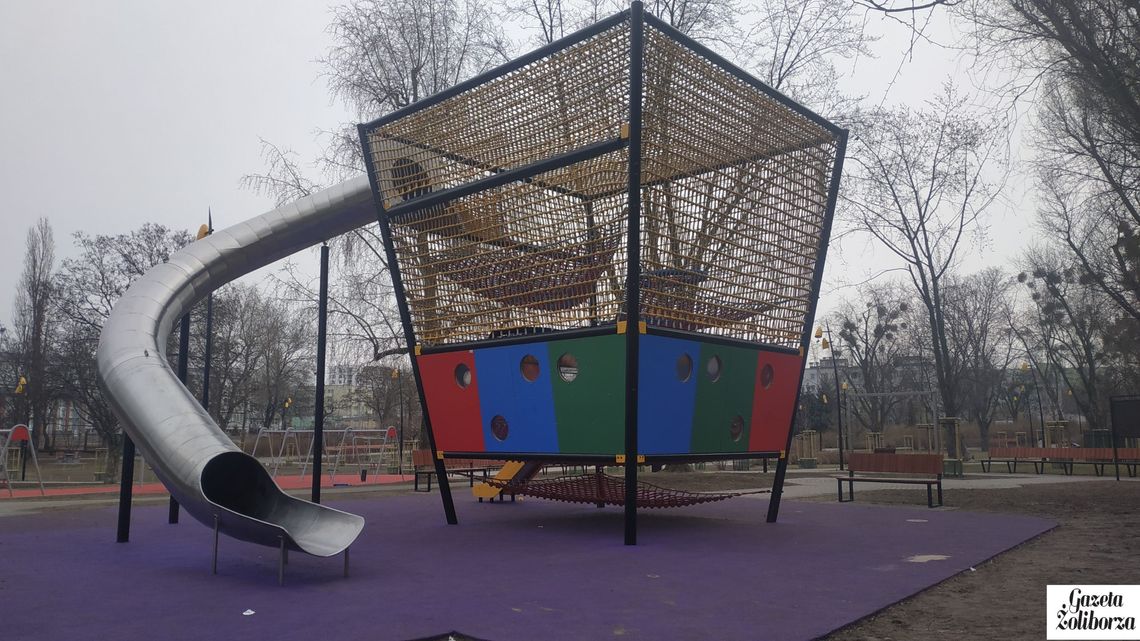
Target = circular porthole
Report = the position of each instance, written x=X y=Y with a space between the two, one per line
x=712 y=368
x=499 y=428
x=766 y=375
x=736 y=428
x=684 y=368
x=568 y=367
x=462 y=375
x=529 y=368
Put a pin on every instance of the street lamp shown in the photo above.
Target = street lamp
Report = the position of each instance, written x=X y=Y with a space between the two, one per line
x=1040 y=406
x=825 y=343
x=400 y=430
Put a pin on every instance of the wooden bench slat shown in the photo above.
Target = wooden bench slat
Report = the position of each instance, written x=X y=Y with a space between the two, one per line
x=927 y=465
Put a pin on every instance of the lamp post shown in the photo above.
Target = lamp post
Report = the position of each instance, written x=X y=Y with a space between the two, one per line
x=825 y=343
x=1040 y=407
x=846 y=419
x=400 y=429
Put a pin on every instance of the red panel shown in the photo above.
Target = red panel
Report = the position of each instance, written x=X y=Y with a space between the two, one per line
x=773 y=405
x=454 y=410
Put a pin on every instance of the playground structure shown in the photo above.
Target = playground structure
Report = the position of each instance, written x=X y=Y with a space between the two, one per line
x=377 y=450
x=621 y=211
x=607 y=251
x=807 y=447
x=17 y=440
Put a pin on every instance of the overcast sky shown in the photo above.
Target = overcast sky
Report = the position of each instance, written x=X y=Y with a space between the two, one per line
x=113 y=114
x=117 y=113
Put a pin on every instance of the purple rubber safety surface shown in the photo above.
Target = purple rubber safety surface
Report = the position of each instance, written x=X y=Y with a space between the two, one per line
x=527 y=571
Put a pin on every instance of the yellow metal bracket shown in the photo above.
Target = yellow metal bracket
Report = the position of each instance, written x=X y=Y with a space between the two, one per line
x=439 y=455
x=620 y=459
x=625 y=131
x=622 y=327
x=417 y=350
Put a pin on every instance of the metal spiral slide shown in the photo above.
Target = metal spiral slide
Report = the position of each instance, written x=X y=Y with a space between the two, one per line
x=211 y=478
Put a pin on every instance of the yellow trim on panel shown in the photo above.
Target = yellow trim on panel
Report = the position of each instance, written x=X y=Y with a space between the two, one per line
x=439 y=455
x=625 y=131
x=619 y=459
x=418 y=350
x=621 y=327
x=782 y=453
x=640 y=458
x=641 y=327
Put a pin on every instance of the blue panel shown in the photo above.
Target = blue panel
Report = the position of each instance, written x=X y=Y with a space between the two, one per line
x=528 y=407
x=665 y=402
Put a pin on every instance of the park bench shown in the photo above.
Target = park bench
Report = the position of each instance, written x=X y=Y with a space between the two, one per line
x=911 y=469
x=1064 y=457
x=424 y=466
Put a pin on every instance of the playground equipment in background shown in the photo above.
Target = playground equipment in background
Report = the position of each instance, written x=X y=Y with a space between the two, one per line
x=874 y=441
x=924 y=435
x=951 y=441
x=607 y=250
x=808 y=445
x=18 y=439
x=1057 y=434
x=376 y=449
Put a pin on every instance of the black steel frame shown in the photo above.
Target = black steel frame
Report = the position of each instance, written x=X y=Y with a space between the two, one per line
x=319 y=404
x=500 y=176
x=406 y=322
x=633 y=261
x=805 y=338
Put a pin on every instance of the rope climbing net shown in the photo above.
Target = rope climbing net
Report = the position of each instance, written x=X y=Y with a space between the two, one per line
x=603 y=489
x=507 y=199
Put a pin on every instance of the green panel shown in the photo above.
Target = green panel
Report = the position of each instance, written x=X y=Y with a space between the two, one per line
x=720 y=401
x=590 y=410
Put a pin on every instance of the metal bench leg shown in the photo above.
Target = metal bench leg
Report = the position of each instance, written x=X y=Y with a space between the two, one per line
x=939 y=492
x=1011 y=468
x=346 y=563
x=839 y=486
x=214 y=567
x=929 y=496
x=281 y=562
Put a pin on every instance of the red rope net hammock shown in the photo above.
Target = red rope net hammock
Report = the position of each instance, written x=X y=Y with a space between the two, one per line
x=608 y=490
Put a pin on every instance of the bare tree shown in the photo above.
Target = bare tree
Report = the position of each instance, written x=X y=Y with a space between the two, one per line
x=1064 y=331
x=33 y=324
x=920 y=182
x=1080 y=59
x=235 y=351
x=88 y=286
x=387 y=54
x=794 y=46
x=870 y=333
x=284 y=354
x=978 y=308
